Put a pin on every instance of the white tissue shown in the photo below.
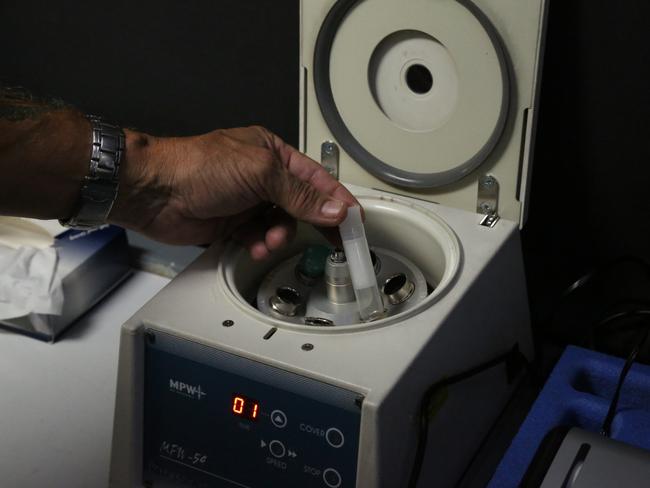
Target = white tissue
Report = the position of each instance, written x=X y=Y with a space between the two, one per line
x=17 y=232
x=29 y=282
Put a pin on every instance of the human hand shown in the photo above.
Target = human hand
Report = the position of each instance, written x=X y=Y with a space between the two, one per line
x=243 y=182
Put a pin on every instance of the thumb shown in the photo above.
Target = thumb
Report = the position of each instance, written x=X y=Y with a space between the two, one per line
x=304 y=202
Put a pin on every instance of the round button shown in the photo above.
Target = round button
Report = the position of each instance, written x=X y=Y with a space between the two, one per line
x=277 y=449
x=332 y=478
x=334 y=437
x=279 y=419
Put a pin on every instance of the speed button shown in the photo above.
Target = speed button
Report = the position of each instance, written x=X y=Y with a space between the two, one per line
x=332 y=478
x=277 y=449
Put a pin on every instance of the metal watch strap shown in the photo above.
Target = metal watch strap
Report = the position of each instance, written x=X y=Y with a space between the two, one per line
x=100 y=187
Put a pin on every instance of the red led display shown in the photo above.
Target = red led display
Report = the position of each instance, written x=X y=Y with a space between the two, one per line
x=243 y=406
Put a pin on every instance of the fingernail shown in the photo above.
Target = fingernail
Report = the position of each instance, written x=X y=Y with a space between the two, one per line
x=332 y=208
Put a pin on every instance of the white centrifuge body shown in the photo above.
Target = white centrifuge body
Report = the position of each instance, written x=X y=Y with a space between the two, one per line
x=426 y=111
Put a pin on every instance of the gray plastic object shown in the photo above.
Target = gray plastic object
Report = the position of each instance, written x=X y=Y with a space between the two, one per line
x=588 y=460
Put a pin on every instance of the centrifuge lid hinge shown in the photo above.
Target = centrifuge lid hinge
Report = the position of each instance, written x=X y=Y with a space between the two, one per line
x=487 y=202
x=329 y=158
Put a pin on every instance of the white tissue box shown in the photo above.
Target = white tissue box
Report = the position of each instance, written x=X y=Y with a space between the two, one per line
x=90 y=265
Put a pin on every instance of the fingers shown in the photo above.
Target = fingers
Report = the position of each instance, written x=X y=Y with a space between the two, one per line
x=306 y=191
x=332 y=235
x=280 y=234
x=252 y=238
x=309 y=171
x=267 y=234
x=305 y=203
x=280 y=231
x=261 y=237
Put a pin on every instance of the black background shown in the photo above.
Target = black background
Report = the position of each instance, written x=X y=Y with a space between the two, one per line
x=167 y=67
x=172 y=67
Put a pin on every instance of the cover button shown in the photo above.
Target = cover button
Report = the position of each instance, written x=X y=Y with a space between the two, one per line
x=334 y=437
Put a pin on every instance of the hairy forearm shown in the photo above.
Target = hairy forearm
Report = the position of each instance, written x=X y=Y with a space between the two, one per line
x=187 y=190
x=44 y=153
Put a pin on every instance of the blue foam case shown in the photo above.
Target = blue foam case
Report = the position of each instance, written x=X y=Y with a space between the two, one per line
x=578 y=393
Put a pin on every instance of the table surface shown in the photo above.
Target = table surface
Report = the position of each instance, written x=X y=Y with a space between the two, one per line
x=57 y=400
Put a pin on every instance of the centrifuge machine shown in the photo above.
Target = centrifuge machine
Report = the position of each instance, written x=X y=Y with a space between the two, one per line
x=263 y=374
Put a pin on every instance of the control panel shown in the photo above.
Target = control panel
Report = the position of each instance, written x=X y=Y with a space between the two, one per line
x=214 y=419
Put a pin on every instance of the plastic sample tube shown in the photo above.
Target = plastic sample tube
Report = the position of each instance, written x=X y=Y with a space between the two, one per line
x=362 y=273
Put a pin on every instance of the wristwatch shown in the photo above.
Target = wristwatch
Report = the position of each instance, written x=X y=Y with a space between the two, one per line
x=100 y=186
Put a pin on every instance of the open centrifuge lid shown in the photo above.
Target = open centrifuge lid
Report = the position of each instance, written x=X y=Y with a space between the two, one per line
x=432 y=99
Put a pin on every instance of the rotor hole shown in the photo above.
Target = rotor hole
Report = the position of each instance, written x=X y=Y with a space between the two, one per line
x=419 y=79
x=398 y=289
x=394 y=284
x=288 y=295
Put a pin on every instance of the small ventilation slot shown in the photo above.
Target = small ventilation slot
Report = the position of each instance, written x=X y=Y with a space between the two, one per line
x=270 y=333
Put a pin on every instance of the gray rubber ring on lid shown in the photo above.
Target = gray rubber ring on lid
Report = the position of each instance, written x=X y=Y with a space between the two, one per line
x=381 y=169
